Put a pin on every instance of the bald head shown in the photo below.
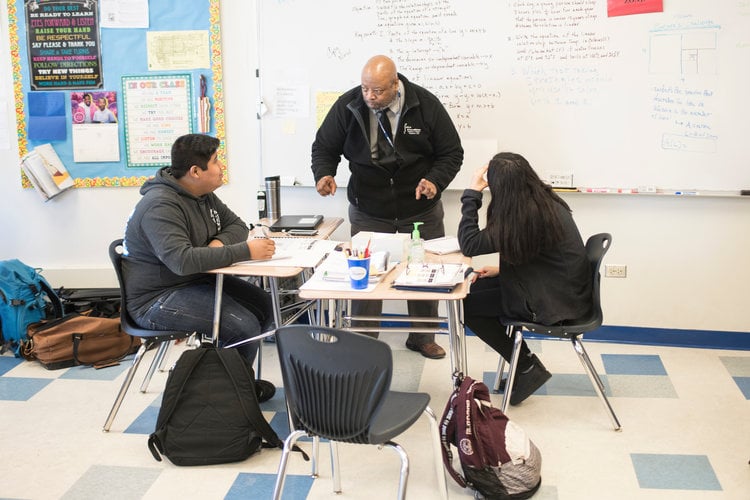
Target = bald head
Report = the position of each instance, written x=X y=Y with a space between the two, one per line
x=380 y=67
x=379 y=82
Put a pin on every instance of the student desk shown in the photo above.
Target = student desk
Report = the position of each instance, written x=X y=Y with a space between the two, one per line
x=340 y=302
x=273 y=271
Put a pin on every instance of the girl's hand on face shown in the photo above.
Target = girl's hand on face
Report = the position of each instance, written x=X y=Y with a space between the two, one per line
x=479 y=179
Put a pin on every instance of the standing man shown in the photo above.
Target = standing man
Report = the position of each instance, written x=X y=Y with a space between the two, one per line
x=180 y=230
x=403 y=151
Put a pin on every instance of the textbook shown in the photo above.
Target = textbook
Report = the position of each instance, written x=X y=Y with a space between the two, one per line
x=46 y=171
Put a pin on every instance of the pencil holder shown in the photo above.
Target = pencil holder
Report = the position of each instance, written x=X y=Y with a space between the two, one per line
x=359 y=272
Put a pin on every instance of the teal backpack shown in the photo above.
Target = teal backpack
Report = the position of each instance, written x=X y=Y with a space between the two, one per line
x=25 y=298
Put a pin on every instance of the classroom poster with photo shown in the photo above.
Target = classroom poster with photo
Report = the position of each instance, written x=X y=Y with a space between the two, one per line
x=69 y=44
x=96 y=135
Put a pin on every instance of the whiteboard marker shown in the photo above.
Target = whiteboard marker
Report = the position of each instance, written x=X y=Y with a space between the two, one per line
x=687 y=193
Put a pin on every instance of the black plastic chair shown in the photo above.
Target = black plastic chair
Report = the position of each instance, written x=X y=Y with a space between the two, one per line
x=149 y=338
x=596 y=247
x=337 y=386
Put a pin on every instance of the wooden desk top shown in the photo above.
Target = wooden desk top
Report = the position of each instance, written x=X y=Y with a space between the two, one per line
x=384 y=291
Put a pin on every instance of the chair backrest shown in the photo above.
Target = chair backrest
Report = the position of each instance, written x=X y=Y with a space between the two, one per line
x=334 y=380
x=127 y=322
x=596 y=247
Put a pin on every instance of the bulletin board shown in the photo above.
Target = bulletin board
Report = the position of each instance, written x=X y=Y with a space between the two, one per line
x=643 y=99
x=156 y=77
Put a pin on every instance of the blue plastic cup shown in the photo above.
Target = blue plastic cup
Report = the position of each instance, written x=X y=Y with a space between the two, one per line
x=359 y=272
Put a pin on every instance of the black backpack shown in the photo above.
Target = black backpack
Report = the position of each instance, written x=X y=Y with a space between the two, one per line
x=209 y=412
x=497 y=458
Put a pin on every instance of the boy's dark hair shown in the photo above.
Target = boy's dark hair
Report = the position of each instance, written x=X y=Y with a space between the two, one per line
x=192 y=149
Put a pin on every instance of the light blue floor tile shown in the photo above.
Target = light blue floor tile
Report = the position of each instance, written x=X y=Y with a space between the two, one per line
x=737 y=366
x=633 y=364
x=276 y=403
x=145 y=423
x=7 y=363
x=91 y=373
x=280 y=423
x=20 y=388
x=571 y=384
x=249 y=485
x=744 y=384
x=674 y=472
x=561 y=384
x=641 y=386
x=123 y=483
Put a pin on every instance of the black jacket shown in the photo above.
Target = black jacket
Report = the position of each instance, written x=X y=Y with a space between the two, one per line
x=426 y=142
x=553 y=287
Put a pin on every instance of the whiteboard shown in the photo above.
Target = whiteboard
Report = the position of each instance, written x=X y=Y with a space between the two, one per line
x=658 y=100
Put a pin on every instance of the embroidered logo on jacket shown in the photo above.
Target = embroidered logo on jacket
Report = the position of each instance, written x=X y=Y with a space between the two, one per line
x=408 y=129
x=215 y=218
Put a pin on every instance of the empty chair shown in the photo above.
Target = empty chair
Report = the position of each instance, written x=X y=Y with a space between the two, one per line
x=148 y=338
x=337 y=385
x=596 y=247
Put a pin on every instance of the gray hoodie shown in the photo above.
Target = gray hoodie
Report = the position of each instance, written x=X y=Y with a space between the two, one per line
x=167 y=237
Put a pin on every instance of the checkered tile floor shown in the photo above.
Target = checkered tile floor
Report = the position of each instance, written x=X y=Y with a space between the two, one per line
x=685 y=415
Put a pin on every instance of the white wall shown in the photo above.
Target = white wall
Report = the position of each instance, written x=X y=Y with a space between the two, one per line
x=687 y=257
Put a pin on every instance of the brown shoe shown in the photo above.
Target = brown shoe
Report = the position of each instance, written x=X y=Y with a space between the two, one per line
x=429 y=350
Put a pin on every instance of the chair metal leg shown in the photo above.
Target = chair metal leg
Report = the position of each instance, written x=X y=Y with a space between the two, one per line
x=158 y=357
x=404 y=477
x=335 y=467
x=163 y=361
x=437 y=453
x=289 y=443
x=498 y=374
x=314 y=460
x=259 y=360
x=595 y=380
x=517 y=341
x=125 y=385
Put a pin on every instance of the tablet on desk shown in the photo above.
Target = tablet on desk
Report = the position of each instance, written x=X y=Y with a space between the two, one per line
x=296 y=222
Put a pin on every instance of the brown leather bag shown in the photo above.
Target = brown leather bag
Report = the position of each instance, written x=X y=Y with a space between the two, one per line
x=78 y=340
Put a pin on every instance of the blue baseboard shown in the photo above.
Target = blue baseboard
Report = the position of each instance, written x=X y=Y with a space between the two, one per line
x=704 y=339
x=669 y=337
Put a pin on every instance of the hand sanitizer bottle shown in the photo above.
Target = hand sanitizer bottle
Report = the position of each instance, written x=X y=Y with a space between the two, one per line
x=416 y=250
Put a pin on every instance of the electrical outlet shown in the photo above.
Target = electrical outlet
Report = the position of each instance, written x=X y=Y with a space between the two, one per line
x=615 y=271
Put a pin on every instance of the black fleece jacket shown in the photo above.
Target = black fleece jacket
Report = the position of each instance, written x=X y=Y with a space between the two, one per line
x=425 y=139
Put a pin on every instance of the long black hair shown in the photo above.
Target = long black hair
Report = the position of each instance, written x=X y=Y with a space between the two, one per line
x=522 y=217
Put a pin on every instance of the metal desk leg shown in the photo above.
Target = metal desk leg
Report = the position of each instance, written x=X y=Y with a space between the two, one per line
x=273 y=285
x=217 y=310
x=456 y=336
